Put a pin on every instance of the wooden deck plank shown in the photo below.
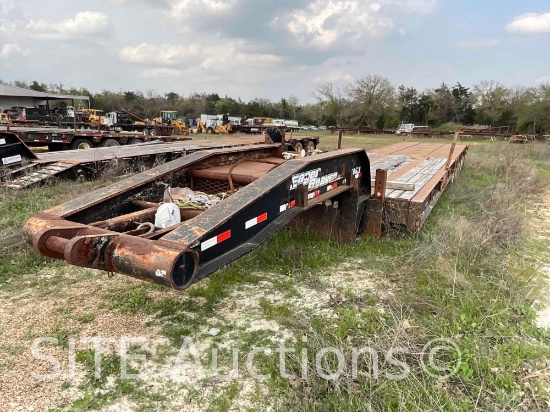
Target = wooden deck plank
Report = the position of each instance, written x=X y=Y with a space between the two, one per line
x=424 y=177
x=434 y=181
x=423 y=149
x=395 y=148
x=424 y=173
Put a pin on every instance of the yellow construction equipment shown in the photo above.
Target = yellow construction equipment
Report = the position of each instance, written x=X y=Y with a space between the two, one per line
x=170 y=117
x=213 y=129
x=96 y=117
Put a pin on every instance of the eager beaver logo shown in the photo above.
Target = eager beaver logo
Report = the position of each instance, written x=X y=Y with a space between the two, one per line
x=312 y=180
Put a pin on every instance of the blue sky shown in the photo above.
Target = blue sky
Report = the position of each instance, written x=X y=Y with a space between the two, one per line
x=272 y=48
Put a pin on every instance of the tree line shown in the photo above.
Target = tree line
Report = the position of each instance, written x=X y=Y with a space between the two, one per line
x=370 y=101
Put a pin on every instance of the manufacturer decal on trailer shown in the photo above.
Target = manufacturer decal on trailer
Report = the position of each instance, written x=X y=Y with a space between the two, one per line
x=312 y=180
x=11 y=159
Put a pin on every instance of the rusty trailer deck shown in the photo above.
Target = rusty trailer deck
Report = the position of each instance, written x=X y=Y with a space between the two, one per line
x=416 y=175
x=63 y=163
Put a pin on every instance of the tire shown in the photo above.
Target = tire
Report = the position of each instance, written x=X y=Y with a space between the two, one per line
x=134 y=141
x=310 y=147
x=81 y=144
x=109 y=143
x=209 y=131
x=82 y=127
x=153 y=132
x=299 y=148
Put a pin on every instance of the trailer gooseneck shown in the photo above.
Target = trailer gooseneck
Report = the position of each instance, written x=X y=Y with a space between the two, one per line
x=324 y=193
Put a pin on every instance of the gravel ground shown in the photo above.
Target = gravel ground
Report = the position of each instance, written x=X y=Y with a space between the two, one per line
x=61 y=308
x=25 y=318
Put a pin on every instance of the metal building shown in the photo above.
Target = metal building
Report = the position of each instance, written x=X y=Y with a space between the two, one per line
x=12 y=96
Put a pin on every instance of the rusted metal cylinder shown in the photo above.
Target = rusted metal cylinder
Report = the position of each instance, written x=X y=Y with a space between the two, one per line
x=166 y=263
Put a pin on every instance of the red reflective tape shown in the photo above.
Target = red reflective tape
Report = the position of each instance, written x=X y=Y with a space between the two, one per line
x=262 y=218
x=293 y=203
x=334 y=185
x=316 y=193
x=223 y=236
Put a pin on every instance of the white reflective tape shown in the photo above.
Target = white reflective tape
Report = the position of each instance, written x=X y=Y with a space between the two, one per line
x=284 y=207
x=2 y=141
x=256 y=220
x=207 y=244
x=250 y=223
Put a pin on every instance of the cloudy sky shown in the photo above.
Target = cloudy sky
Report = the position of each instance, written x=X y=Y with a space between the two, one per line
x=272 y=48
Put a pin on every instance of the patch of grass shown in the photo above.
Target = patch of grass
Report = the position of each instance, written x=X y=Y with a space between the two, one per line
x=222 y=403
x=275 y=311
x=86 y=317
x=108 y=384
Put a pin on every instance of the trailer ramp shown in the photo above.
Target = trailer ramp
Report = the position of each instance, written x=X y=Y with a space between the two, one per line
x=45 y=166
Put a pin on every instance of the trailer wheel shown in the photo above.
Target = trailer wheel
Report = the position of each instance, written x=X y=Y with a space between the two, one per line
x=134 y=141
x=109 y=143
x=153 y=132
x=209 y=130
x=81 y=144
x=82 y=127
x=299 y=149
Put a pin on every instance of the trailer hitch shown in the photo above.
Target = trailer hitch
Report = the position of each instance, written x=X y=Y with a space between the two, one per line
x=161 y=261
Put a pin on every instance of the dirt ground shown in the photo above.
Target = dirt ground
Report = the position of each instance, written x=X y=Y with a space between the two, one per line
x=541 y=226
x=60 y=311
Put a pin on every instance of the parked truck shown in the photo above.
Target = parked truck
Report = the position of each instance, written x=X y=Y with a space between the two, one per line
x=123 y=121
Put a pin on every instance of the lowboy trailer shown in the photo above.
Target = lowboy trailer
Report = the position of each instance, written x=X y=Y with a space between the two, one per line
x=259 y=192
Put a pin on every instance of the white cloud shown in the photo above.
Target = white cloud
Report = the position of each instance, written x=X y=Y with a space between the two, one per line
x=6 y=6
x=83 y=24
x=325 y=23
x=544 y=80
x=530 y=23
x=11 y=49
x=334 y=76
x=229 y=56
x=160 y=72
x=194 y=9
x=477 y=43
x=167 y=54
